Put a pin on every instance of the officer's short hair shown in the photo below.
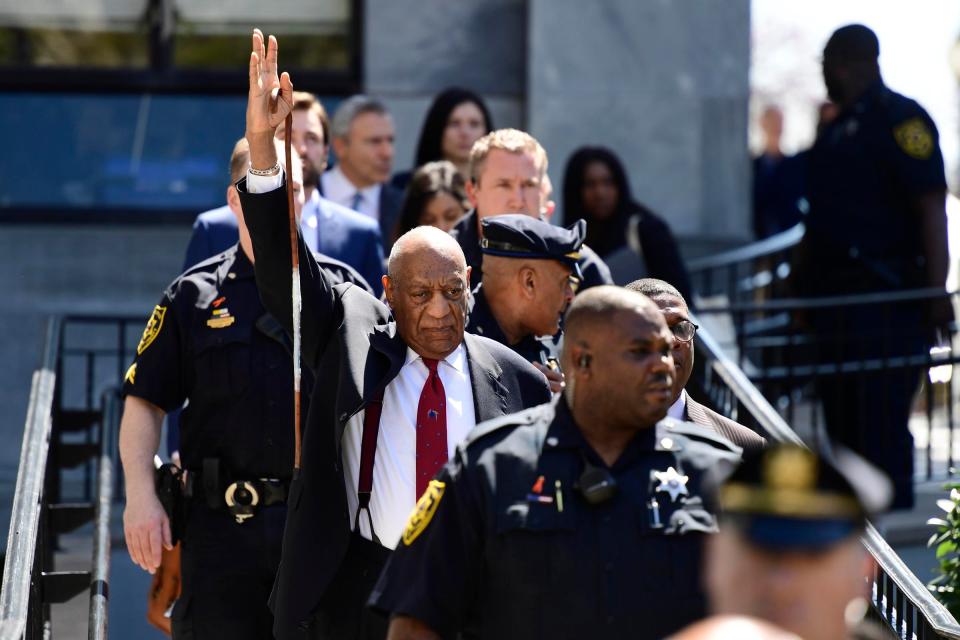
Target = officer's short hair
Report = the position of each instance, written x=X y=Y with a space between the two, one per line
x=597 y=305
x=510 y=140
x=653 y=287
x=306 y=101
x=239 y=160
x=352 y=108
x=854 y=43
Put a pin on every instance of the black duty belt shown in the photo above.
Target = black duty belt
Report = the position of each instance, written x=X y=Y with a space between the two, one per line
x=242 y=497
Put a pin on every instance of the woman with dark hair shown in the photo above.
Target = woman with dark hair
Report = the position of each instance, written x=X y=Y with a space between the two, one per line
x=456 y=119
x=620 y=229
x=436 y=196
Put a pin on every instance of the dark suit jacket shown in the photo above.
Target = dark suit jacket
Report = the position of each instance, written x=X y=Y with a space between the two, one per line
x=328 y=228
x=352 y=361
x=391 y=199
x=736 y=433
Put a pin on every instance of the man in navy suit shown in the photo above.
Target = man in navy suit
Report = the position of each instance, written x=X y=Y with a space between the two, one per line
x=362 y=134
x=328 y=228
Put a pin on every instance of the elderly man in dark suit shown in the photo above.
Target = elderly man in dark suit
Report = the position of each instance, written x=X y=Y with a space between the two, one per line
x=392 y=397
x=677 y=314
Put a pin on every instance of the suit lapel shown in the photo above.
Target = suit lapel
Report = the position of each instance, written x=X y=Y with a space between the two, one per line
x=489 y=394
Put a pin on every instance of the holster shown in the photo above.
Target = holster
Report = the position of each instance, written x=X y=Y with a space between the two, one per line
x=169 y=480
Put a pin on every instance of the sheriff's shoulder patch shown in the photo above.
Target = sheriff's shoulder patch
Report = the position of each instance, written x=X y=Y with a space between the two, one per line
x=131 y=374
x=423 y=512
x=915 y=138
x=154 y=324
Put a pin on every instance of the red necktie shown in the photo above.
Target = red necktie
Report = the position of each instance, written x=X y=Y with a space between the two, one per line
x=431 y=428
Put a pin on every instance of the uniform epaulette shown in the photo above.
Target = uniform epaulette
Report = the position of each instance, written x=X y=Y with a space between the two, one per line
x=695 y=432
x=541 y=413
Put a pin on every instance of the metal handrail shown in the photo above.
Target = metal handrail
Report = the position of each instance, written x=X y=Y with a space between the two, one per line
x=100 y=576
x=935 y=614
x=773 y=244
x=889 y=564
x=18 y=573
x=744 y=390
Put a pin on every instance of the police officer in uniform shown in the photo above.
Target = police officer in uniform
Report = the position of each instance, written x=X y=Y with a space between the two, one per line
x=530 y=273
x=789 y=549
x=575 y=519
x=210 y=342
x=877 y=223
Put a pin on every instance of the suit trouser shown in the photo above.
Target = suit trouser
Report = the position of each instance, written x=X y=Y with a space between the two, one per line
x=228 y=571
x=343 y=614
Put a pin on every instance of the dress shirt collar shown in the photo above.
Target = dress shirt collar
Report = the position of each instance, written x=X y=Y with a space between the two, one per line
x=339 y=189
x=678 y=410
x=456 y=358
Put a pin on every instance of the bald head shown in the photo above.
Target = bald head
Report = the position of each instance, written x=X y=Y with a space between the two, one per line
x=421 y=242
x=426 y=287
x=593 y=309
x=740 y=627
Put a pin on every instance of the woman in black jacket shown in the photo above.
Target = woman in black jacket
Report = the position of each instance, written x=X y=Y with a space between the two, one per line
x=595 y=188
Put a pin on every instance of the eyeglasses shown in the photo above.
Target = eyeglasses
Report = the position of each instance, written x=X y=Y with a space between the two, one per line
x=684 y=330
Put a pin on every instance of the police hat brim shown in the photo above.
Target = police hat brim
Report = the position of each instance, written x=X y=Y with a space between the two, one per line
x=793 y=534
x=570 y=262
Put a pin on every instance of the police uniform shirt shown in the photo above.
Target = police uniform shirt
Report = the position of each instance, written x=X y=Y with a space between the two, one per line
x=211 y=342
x=531 y=348
x=865 y=169
x=502 y=546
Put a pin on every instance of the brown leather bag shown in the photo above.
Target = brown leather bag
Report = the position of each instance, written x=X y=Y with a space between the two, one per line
x=164 y=590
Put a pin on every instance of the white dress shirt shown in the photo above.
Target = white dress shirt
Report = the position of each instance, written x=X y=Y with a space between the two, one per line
x=395 y=467
x=678 y=410
x=338 y=188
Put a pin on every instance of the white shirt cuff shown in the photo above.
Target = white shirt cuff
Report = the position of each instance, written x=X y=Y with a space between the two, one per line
x=263 y=184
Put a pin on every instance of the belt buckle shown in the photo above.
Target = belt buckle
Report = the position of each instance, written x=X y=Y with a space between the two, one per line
x=242 y=499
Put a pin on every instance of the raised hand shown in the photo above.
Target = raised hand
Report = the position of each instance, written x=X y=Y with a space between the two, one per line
x=269 y=100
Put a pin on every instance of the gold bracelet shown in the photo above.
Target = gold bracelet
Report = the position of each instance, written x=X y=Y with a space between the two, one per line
x=272 y=171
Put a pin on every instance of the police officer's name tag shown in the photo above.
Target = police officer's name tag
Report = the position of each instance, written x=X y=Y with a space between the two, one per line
x=423 y=512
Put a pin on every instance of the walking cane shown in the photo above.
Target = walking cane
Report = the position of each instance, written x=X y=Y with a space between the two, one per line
x=295 y=258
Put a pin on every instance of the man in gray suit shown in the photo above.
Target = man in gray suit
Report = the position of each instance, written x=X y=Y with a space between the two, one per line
x=677 y=314
x=405 y=381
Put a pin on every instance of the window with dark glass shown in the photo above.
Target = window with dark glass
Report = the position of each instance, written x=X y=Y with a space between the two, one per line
x=131 y=107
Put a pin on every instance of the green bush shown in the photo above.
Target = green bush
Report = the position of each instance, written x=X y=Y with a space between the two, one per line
x=946 y=540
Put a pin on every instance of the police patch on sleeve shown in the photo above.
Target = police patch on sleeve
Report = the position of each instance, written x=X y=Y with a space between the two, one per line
x=423 y=512
x=150 y=333
x=915 y=138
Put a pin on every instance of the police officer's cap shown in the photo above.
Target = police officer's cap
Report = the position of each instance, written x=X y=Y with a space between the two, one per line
x=787 y=497
x=520 y=236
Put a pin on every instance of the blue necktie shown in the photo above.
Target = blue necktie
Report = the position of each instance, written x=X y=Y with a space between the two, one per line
x=357 y=199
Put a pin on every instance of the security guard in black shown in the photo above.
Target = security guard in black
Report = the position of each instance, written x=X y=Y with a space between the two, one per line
x=535 y=545
x=211 y=343
x=531 y=273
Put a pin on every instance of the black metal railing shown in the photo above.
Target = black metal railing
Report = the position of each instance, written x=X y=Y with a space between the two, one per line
x=852 y=368
x=755 y=271
x=900 y=600
x=66 y=477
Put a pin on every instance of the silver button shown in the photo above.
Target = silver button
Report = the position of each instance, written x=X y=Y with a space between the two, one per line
x=552 y=441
